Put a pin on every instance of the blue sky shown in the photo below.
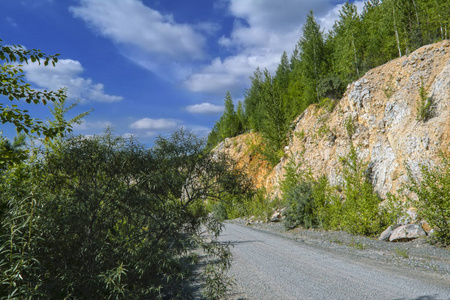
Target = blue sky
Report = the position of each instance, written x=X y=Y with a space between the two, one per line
x=149 y=67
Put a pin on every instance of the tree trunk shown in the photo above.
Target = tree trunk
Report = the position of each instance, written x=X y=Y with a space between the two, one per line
x=356 y=58
x=396 y=32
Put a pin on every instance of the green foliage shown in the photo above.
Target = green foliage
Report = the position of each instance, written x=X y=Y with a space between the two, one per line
x=424 y=105
x=433 y=197
x=299 y=203
x=327 y=104
x=102 y=217
x=275 y=125
x=312 y=55
x=257 y=205
x=360 y=212
x=327 y=205
x=15 y=88
x=330 y=87
x=350 y=127
x=347 y=50
x=230 y=124
x=401 y=252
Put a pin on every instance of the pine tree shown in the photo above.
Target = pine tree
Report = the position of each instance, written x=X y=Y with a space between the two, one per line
x=274 y=126
x=347 y=46
x=252 y=101
x=241 y=120
x=312 y=54
x=282 y=73
x=229 y=124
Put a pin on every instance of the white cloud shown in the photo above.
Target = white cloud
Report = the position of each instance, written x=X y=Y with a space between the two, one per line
x=131 y=23
x=205 y=108
x=262 y=30
x=66 y=73
x=89 y=125
x=231 y=74
x=200 y=131
x=155 y=124
x=327 y=21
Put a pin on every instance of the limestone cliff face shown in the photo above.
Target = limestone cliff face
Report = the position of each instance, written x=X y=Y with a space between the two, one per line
x=382 y=106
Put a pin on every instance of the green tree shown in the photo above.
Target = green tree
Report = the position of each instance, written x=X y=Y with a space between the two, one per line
x=282 y=73
x=275 y=125
x=110 y=219
x=312 y=56
x=252 y=101
x=241 y=119
x=229 y=123
x=347 y=45
x=432 y=193
x=14 y=88
x=360 y=212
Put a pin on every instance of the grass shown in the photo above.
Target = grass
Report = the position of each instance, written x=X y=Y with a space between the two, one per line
x=357 y=245
x=401 y=253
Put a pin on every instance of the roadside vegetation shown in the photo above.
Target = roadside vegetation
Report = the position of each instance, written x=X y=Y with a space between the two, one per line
x=103 y=217
x=353 y=205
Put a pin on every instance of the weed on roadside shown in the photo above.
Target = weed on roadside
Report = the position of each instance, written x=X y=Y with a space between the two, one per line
x=357 y=245
x=401 y=253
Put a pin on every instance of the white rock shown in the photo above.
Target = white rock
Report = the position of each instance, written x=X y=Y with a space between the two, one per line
x=407 y=232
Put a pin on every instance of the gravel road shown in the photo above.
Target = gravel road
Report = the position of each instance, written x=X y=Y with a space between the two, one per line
x=269 y=265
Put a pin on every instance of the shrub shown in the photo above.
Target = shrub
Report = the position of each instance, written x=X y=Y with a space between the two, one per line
x=425 y=104
x=360 y=212
x=300 y=206
x=327 y=205
x=105 y=218
x=433 y=197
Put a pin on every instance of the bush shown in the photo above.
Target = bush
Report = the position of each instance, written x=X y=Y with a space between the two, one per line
x=433 y=197
x=327 y=205
x=360 y=212
x=425 y=104
x=103 y=218
x=299 y=206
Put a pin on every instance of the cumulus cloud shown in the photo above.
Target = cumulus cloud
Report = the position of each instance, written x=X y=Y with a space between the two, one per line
x=66 y=74
x=132 y=23
x=230 y=74
x=154 y=124
x=205 y=108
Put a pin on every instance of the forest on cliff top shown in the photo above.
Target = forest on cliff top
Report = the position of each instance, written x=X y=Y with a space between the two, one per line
x=323 y=64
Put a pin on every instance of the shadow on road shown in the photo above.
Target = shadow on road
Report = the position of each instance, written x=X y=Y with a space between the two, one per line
x=429 y=297
x=233 y=243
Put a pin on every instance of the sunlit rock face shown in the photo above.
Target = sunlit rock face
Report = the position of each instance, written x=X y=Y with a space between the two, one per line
x=382 y=106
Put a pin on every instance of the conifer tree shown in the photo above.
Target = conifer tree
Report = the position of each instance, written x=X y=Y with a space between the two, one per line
x=347 y=47
x=312 y=54
x=274 y=126
x=252 y=101
x=241 y=120
x=229 y=124
x=282 y=73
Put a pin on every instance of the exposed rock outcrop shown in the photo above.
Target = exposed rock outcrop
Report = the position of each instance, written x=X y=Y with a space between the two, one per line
x=382 y=106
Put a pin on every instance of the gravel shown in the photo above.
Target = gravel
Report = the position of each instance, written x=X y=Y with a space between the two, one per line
x=417 y=254
x=417 y=257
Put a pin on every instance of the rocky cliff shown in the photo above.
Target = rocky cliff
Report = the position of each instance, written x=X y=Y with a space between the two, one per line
x=378 y=114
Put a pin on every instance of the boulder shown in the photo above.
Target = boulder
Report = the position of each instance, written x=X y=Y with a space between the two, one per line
x=384 y=236
x=407 y=233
